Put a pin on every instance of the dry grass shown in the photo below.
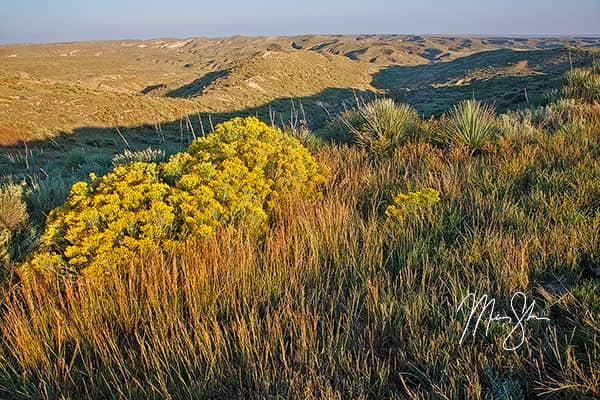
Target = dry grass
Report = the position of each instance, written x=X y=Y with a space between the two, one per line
x=33 y=110
x=331 y=303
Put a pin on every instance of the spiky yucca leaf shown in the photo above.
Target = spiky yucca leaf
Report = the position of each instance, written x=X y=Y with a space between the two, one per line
x=382 y=126
x=148 y=155
x=470 y=124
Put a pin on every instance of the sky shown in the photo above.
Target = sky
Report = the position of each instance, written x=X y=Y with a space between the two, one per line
x=36 y=21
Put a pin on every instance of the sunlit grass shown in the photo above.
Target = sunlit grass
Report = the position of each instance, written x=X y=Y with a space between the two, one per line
x=329 y=304
x=336 y=302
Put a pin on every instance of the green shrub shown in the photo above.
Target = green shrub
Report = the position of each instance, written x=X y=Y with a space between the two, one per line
x=381 y=125
x=503 y=389
x=17 y=159
x=44 y=194
x=339 y=129
x=595 y=67
x=586 y=295
x=414 y=205
x=230 y=178
x=549 y=96
x=307 y=137
x=470 y=124
x=554 y=115
x=75 y=159
x=517 y=127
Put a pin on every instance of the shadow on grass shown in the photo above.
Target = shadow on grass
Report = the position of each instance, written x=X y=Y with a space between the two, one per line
x=507 y=78
x=196 y=87
x=89 y=149
x=500 y=77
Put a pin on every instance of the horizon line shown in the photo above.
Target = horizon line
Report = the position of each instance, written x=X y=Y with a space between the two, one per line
x=147 y=38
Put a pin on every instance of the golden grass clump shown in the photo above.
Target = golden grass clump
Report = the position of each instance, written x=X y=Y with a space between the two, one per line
x=13 y=218
x=583 y=83
x=13 y=210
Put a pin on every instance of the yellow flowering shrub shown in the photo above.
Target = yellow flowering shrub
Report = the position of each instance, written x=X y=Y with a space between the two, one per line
x=246 y=167
x=280 y=158
x=229 y=178
x=412 y=204
x=105 y=222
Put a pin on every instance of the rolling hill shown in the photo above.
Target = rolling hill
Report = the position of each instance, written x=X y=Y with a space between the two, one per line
x=49 y=89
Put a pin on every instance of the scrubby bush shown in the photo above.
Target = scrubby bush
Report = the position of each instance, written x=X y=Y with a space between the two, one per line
x=595 y=67
x=501 y=388
x=471 y=124
x=381 y=125
x=414 y=205
x=105 y=222
x=553 y=116
x=229 y=178
x=284 y=163
x=42 y=194
x=517 y=127
x=75 y=159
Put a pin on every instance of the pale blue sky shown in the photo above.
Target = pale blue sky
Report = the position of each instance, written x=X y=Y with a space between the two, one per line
x=70 y=20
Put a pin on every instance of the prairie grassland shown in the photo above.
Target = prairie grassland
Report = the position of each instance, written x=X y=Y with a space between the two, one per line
x=335 y=301
x=338 y=299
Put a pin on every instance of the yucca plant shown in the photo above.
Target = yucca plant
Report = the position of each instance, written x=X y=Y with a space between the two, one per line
x=596 y=67
x=147 y=155
x=470 y=123
x=307 y=137
x=339 y=129
x=583 y=84
x=382 y=125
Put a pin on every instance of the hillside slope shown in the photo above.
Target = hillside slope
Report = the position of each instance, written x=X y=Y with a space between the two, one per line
x=32 y=109
x=53 y=88
x=273 y=75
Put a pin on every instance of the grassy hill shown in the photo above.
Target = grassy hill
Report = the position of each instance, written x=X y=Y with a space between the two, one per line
x=34 y=109
x=238 y=73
